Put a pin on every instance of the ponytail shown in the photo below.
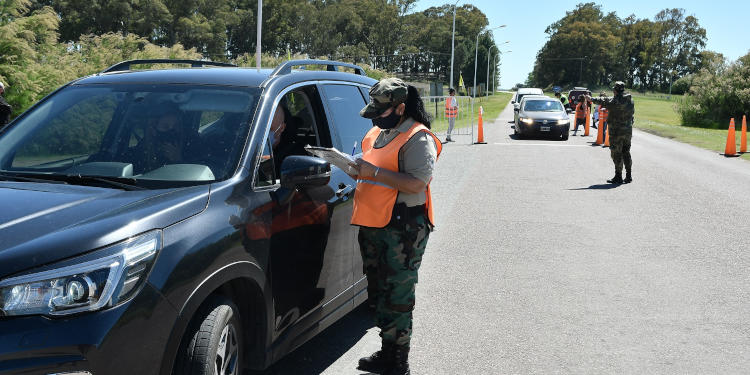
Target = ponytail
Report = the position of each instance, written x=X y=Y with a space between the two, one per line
x=415 y=107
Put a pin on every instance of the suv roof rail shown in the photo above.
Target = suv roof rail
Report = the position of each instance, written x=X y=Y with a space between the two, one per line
x=331 y=66
x=125 y=65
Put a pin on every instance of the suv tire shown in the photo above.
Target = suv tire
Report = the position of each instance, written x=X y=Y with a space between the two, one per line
x=213 y=343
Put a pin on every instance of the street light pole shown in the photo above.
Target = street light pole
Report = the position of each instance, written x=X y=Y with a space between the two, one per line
x=498 y=54
x=494 y=85
x=453 y=39
x=487 y=81
x=494 y=70
x=260 y=23
x=476 y=55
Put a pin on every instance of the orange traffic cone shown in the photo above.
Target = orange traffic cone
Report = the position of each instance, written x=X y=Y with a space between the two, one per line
x=731 y=148
x=743 y=136
x=599 y=133
x=606 y=137
x=588 y=122
x=480 y=131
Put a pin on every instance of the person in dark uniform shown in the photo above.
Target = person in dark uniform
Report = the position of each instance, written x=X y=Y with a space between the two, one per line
x=5 y=108
x=620 y=124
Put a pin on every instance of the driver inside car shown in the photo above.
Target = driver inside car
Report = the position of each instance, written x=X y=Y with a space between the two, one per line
x=165 y=141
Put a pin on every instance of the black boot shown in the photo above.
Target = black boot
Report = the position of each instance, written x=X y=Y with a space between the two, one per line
x=400 y=364
x=628 y=178
x=379 y=361
x=615 y=180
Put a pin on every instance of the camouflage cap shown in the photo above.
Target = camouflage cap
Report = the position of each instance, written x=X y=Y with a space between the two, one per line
x=619 y=86
x=387 y=93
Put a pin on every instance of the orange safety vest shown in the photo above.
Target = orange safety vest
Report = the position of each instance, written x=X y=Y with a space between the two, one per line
x=374 y=201
x=603 y=114
x=450 y=107
x=581 y=110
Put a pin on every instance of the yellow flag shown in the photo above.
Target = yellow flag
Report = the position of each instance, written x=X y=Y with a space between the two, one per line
x=460 y=80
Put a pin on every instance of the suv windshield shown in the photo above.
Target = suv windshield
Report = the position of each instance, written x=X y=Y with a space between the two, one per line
x=542 y=106
x=147 y=135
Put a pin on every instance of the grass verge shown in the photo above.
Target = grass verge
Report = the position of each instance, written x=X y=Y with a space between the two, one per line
x=658 y=115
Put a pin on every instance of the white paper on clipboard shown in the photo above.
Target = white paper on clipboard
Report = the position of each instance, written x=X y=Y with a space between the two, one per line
x=333 y=156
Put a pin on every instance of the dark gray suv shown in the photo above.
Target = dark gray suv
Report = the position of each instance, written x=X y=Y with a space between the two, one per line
x=153 y=222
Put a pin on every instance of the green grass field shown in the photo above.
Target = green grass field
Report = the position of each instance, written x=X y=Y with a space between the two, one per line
x=492 y=106
x=658 y=115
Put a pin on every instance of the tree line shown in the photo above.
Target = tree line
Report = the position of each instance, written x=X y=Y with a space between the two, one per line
x=382 y=33
x=46 y=43
x=589 y=47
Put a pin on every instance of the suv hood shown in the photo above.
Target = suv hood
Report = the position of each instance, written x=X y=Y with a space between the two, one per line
x=44 y=223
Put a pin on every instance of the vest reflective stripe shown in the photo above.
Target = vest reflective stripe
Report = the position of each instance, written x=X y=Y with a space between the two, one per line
x=604 y=114
x=450 y=107
x=361 y=181
x=374 y=201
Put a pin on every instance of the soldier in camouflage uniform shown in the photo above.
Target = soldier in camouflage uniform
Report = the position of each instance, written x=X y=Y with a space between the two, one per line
x=620 y=124
x=392 y=206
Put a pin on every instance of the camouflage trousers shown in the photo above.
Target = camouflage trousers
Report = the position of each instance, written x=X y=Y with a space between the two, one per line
x=619 y=147
x=391 y=257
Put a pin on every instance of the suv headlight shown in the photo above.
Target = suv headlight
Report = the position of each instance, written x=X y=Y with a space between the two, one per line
x=527 y=121
x=86 y=286
x=563 y=122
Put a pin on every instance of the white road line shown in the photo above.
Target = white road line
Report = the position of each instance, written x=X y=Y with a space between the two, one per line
x=539 y=144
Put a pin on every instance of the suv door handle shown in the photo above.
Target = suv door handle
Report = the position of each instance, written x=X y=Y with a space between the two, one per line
x=344 y=190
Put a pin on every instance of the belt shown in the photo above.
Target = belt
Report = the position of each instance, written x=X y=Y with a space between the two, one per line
x=403 y=211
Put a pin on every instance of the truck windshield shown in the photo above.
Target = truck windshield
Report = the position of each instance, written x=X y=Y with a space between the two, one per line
x=150 y=135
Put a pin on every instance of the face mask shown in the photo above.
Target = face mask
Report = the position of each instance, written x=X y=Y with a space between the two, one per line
x=388 y=122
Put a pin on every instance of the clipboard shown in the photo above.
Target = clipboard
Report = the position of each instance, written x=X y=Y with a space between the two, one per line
x=333 y=156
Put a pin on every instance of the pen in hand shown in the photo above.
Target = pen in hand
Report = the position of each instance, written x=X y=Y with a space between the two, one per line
x=354 y=147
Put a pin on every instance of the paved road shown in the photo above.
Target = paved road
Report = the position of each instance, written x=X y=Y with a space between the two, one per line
x=540 y=267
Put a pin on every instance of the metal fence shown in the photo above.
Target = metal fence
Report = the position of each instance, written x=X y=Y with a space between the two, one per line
x=464 y=125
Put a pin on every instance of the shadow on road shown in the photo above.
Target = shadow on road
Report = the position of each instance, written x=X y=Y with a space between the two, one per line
x=324 y=349
x=599 y=187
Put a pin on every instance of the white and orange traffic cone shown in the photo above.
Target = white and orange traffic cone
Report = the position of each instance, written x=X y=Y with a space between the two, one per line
x=480 y=131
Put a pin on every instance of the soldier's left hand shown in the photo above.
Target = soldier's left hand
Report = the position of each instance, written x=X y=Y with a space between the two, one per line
x=364 y=168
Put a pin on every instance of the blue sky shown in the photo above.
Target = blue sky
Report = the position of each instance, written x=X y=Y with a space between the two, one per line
x=726 y=24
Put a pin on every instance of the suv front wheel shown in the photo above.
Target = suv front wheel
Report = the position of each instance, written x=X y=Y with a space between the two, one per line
x=213 y=343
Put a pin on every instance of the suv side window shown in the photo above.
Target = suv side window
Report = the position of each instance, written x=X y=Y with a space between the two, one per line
x=266 y=174
x=344 y=103
x=304 y=125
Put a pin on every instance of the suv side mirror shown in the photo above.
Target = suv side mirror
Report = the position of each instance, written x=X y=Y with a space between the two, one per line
x=516 y=109
x=304 y=171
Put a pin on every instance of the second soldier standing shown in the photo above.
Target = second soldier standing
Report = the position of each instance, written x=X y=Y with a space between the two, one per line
x=620 y=127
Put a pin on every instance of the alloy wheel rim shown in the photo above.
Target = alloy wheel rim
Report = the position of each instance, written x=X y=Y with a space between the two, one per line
x=227 y=352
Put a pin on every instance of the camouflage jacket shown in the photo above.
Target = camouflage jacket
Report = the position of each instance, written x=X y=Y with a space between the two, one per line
x=621 y=110
x=5 y=111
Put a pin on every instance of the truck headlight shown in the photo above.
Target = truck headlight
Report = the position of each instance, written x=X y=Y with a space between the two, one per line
x=86 y=286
